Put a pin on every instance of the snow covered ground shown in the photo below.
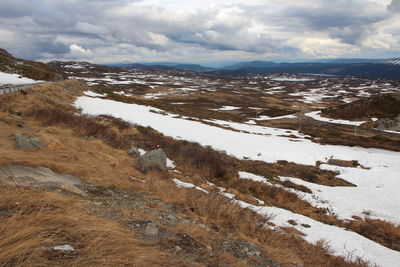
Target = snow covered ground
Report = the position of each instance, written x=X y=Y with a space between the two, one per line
x=8 y=78
x=227 y=108
x=316 y=116
x=376 y=186
x=341 y=241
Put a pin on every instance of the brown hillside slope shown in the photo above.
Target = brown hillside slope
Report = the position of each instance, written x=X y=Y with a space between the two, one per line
x=125 y=218
x=378 y=106
x=30 y=69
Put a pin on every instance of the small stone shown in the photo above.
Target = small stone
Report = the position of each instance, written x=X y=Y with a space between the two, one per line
x=171 y=218
x=17 y=117
x=178 y=248
x=151 y=229
x=64 y=248
x=253 y=253
x=202 y=226
x=27 y=142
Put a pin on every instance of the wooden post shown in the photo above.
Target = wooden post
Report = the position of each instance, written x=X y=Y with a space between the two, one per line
x=301 y=111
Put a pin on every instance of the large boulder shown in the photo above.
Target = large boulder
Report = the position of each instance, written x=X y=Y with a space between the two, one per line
x=153 y=159
x=27 y=142
x=40 y=177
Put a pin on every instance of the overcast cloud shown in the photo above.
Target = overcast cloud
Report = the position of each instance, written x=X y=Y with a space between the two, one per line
x=106 y=31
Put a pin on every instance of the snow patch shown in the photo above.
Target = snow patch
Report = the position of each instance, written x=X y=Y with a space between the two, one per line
x=9 y=78
x=181 y=184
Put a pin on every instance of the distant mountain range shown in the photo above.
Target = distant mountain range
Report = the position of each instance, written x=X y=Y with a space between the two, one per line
x=167 y=65
x=367 y=68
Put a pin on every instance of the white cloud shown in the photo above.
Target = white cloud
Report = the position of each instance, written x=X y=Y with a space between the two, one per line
x=79 y=52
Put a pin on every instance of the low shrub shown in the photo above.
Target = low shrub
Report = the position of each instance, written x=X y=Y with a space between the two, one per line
x=85 y=124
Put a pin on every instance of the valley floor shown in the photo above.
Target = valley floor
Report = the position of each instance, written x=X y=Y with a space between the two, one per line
x=374 y=195
x=240 y=188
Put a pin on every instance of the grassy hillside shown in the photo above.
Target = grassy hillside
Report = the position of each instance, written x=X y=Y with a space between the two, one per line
x=30 y=69
x=378 y=106
x=125 y=217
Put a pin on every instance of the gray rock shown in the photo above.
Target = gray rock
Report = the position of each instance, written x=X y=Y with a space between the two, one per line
x=388 y=124
x=133 y=152
x=27 y=142
x=153 y=159
x=171 y=218
x=17 y=175
x=151 y=229
x=17 y=117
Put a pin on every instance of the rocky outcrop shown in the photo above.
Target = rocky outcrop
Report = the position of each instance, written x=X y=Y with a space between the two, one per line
x=27 y=142
x=153 y=159
x=17 y=175
x=388 y=124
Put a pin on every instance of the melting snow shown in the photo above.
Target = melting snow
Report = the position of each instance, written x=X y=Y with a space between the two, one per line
x=64 y=248
x=8 y=78
x=170 y=164
x=375 y=191
x=93 y=94
x=228 y=108
x=181 y=184
x=340 y=240
x=316 y=116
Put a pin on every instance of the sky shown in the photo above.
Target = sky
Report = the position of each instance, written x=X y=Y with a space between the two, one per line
x=202 y=31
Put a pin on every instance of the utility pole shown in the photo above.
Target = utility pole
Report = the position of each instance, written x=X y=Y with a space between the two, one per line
x=301 y=111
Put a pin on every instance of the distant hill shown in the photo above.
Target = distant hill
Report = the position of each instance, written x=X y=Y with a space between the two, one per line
x=378 y=106
x=193 y=67
x=81 y=68
x=386 y=70
x=145 y=66
x=365 y=68
x=30 y=69
x=170 y=66
x=391 y=61
x=251 y=64
x=348 y=60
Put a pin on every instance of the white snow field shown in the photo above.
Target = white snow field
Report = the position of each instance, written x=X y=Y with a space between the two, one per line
x=316 y=116
x=8 y=78
x=375 y=191
x=342 y=242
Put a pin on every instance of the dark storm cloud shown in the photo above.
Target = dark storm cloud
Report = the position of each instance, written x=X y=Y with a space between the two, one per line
x=17 y=8
x=347 y=20
x=394 y=6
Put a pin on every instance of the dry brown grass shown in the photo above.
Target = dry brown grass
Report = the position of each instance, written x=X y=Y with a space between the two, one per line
x=82 y=124
x=65 y=152
x=95 y=162
x=380 y=231
x=189 y=155
x=35 y=222
x=345 y=136
x=224 y=217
